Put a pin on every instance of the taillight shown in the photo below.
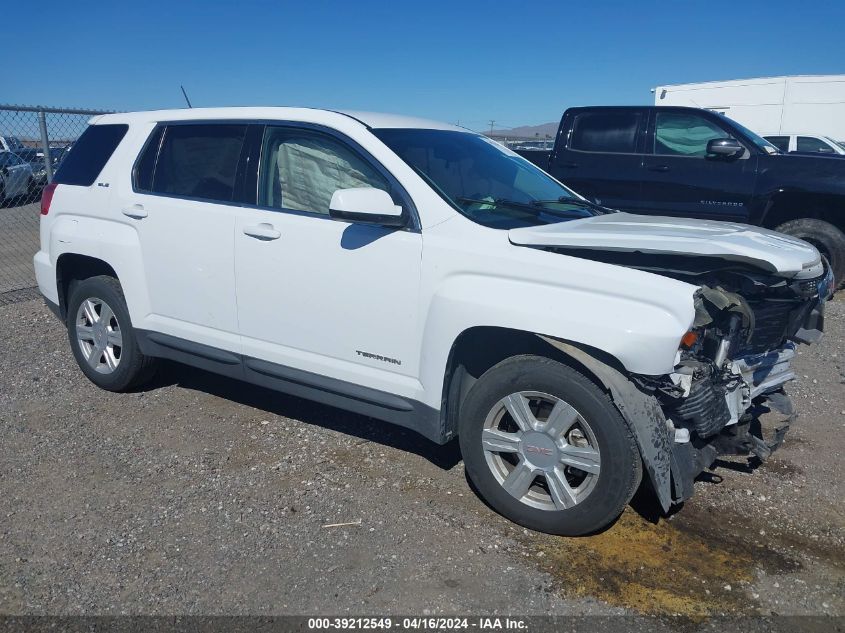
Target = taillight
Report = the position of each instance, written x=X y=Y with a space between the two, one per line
x=47 y=198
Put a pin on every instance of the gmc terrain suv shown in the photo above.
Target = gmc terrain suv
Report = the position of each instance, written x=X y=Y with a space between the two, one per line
x=422 y=274
x=690 y=162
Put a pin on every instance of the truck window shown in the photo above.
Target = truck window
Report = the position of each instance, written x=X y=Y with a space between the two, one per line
x=811 y=144
x=781 y=142
x=614 y=132
x=684 y=134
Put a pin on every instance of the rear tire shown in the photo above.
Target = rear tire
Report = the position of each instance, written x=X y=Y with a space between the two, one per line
x=102 y=338
x=530 y=473
x=824 y=236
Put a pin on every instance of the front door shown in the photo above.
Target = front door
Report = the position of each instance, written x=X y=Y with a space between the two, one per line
x=680 y=179
x=332 y=298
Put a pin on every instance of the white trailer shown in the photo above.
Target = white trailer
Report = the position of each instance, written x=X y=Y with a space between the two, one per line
x=799 y=104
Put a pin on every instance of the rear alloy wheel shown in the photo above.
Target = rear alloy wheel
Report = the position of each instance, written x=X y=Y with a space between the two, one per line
x=824 y=236
x=101 y=335
x=547 y=448
x=98 y=335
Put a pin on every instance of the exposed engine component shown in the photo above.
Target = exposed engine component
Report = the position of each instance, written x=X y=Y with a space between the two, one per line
x=705 y=409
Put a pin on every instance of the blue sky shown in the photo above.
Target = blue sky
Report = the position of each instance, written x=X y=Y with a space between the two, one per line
x=518 y=62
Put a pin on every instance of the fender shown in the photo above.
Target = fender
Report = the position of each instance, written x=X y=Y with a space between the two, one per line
x=641 y=332
x=643 y=415
x=112 y=242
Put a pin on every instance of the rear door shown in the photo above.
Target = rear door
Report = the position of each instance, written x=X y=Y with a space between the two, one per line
x=182 y=206
x=680 y=179
x=600 y=155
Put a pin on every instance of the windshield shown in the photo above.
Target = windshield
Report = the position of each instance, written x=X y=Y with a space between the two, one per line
x=484 y=181
x=761 y=143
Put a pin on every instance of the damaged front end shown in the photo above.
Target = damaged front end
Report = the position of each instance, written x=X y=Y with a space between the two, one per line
x=732 y=365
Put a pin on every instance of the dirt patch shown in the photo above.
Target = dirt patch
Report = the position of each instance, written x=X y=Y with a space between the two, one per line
x=678 y=566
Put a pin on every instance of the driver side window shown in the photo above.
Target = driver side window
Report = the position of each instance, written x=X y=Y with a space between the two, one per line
x=682 y=134
x=301 y=169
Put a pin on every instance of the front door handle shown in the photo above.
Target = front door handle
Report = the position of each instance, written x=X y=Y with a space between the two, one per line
x=263 y=231
x=136 y=212
x=659 y=167
x=569 y=165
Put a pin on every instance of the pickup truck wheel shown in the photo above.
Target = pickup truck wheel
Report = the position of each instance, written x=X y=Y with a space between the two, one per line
x=102 y=338
x=546 y=448
x=824 y=236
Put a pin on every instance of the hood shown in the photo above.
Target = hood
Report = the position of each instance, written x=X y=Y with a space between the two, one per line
x=625 y=232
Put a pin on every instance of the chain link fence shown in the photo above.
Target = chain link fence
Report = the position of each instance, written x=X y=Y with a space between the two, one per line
x=33 y=143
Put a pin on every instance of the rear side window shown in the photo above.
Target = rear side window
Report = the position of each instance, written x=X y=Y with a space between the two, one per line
x=781 y=142
x=614 y=132
x=196 y=161
x=89 y=155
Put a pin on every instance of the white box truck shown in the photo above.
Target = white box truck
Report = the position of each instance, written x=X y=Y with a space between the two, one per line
x=799 y=104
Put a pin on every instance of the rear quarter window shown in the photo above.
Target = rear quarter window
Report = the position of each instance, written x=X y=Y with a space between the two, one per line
x=89 y=155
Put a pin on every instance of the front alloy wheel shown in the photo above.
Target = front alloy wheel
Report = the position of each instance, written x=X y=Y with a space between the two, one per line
x=541 y=450
x=546 y=447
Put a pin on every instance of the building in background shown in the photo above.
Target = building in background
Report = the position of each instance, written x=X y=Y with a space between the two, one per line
x=799 y=104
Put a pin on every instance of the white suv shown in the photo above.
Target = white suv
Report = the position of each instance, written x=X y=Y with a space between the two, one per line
x=424 y=275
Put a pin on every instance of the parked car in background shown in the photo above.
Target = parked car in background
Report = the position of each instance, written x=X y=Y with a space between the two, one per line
x=422 y=274
x=695 y=163
x=35 y=158
x=16 y=176
x=806 y=144
x=10 y=143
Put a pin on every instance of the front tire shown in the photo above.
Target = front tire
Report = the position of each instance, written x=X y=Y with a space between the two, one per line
x=546 y=448
x=824 y=236
x=102 y=337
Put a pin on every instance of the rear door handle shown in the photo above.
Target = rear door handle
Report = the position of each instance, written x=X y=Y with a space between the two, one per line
x=659 y=167
x=263 y=231
x=136 y=211
x=569 y=165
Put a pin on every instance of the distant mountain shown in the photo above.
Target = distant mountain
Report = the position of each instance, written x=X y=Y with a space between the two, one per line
x=530 y=131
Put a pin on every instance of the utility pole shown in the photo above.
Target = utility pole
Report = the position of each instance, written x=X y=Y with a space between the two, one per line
x=492 y=122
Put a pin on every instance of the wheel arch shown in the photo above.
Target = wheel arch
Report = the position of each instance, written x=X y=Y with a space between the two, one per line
x=76 y=267
x=784 y=205
x=85 y=246
x=480 y=348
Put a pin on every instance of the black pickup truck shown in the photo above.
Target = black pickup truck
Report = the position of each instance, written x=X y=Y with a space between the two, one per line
x=697 y=163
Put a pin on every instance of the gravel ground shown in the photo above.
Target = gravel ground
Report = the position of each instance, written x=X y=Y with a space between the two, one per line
x=203 y=496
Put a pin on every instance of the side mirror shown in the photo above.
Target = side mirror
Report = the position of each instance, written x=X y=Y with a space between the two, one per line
x=366 y=205
x=826 y=150
x=726 y=147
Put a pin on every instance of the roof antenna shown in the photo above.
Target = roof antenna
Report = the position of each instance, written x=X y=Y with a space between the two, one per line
x=186 y=96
